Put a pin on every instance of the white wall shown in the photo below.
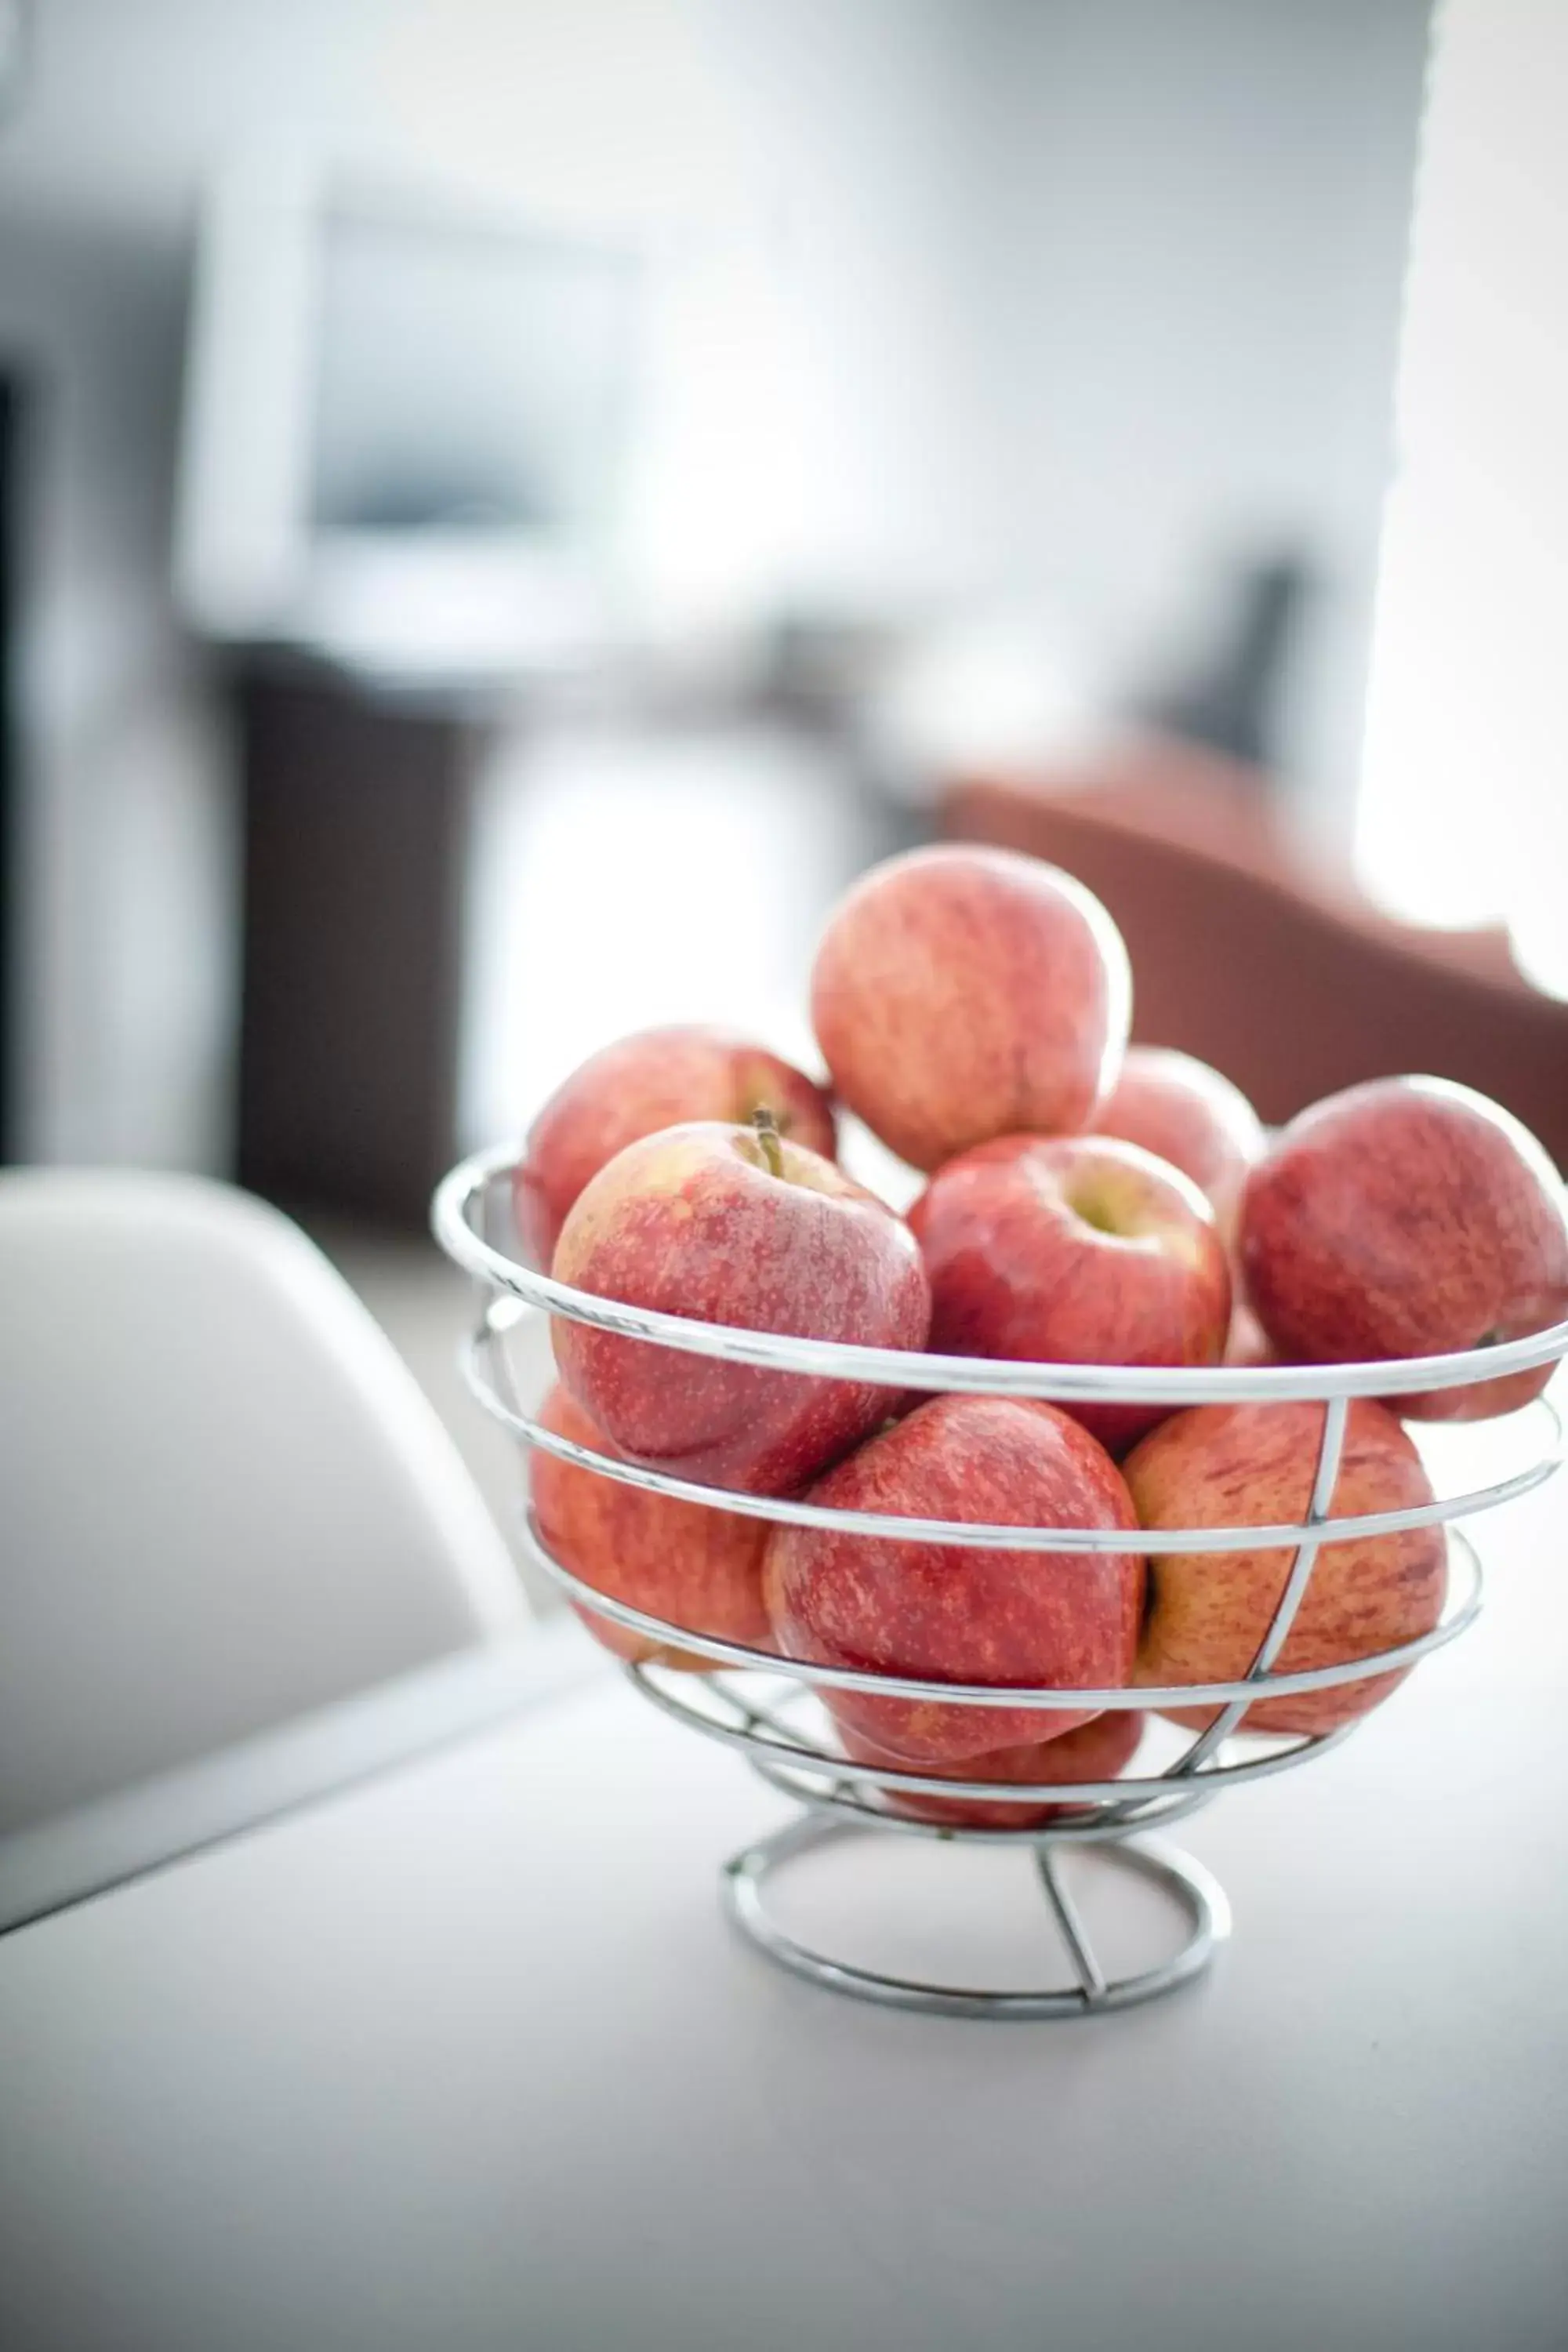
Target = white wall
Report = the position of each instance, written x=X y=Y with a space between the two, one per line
x=1200 y=211
x=1465 y=813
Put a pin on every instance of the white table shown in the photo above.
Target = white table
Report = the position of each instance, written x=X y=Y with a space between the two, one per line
x=467 y=2059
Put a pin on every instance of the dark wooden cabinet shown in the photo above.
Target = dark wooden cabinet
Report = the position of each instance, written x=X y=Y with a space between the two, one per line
x=355 y=851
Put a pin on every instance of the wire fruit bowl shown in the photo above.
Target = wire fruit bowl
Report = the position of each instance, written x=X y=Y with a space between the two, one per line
x=766 y=1707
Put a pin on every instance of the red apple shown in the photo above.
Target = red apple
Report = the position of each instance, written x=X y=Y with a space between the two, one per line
x=1254 y=1465
x=697 y=1568
x=1098 y=1750
x=945 y=1612
x=725 y=1225
x=1408 y=1217
x=1184 y=1111
x=1074 y=1249
x=959 y=994
x=660 y=1077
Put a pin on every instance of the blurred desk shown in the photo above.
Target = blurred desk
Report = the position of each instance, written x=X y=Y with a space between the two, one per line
x=467 y=2059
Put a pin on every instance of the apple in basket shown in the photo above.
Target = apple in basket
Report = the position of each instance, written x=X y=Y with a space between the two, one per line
x=657 y=1078
x=735 y=1225
x=1235 y=1466
x=949 y=1613
x=1074 y=1249
x=1184 y=1111
x=959 y=994
x=1408 y=1217
x=686 y=1562
x=1098 y=1750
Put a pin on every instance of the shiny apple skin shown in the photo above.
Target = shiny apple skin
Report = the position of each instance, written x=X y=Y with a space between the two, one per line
x=1075 y=1250
x=693 y=1566
x=1255 y=1465
x=1098 y=1750
x=652 y=1079
x=959 y=994
x=1187 y=1112
x=949 y=1613
x=692 y=1222
x=1408 y=1217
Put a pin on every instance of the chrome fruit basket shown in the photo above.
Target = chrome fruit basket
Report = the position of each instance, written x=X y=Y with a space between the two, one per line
x=763 y=1704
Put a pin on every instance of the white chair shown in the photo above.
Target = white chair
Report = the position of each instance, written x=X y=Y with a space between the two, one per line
x=225 y=1507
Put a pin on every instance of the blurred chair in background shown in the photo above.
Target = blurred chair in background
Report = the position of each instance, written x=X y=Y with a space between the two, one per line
x=227 y=1508
x=1277 y=969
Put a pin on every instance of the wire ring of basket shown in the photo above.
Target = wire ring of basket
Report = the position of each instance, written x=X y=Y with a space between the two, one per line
x=1173 y=1385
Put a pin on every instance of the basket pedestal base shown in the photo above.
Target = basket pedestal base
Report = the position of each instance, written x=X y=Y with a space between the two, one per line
x=1199 y=1897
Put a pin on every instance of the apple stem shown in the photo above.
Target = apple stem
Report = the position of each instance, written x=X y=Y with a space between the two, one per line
x=767 y=1129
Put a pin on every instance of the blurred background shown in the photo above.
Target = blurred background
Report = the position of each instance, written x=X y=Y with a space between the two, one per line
x=507 y=505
